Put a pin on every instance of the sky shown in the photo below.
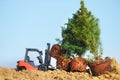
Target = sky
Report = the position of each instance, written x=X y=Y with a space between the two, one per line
x=33 y=23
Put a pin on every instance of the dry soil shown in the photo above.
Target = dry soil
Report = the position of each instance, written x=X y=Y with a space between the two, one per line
x=12 y=74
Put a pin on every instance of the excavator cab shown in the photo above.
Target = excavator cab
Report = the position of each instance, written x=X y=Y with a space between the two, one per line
x=28 y=64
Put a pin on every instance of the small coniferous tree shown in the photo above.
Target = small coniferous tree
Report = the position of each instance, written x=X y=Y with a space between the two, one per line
x=81 y=33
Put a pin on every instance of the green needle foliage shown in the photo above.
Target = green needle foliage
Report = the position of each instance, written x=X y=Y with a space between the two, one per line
x=81 y=33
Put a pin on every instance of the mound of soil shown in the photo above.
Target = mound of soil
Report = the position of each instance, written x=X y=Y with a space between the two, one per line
x=12 y=74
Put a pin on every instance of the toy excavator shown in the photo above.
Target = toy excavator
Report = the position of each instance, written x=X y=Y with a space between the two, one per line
x=28 y=64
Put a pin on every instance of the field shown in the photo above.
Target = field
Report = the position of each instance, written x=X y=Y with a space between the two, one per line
x=12 y=74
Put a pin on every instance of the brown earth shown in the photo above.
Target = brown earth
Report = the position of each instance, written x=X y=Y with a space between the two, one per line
x=12 y=74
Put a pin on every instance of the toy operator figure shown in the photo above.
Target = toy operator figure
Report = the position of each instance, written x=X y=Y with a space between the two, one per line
x=47 y=56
